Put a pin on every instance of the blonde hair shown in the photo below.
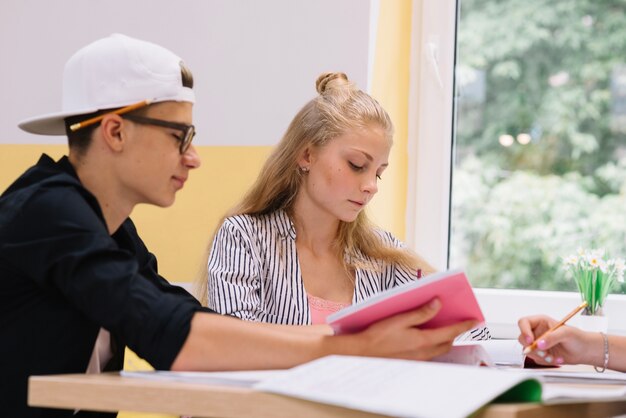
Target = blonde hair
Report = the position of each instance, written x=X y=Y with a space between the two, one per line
x=339 y=107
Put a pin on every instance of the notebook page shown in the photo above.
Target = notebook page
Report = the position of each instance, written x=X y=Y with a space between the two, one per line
x=399 y=388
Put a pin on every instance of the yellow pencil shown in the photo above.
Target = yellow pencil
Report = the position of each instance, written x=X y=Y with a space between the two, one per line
x=97 y=119
x=562 y=322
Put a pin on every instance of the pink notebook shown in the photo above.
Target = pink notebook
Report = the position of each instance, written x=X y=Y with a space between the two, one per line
x=458 y=303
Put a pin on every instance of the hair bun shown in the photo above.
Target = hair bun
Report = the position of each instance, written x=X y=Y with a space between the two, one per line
x=330 y=81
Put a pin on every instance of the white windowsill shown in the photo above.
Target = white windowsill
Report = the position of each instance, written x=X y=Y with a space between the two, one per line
x=502 y=308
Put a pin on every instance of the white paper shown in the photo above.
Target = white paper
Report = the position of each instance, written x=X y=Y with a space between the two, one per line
x=399 y=388
x=609 y=377
x=556 y=393
x=562 y=385
x=238 y=378
x=493 y=353
x=468 y=354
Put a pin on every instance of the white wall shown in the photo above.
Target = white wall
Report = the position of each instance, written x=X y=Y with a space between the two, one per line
x=254 y=62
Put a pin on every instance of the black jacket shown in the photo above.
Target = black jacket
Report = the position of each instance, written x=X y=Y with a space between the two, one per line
x=62 y=277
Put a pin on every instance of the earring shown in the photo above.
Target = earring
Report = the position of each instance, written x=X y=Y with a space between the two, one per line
x=304 y=169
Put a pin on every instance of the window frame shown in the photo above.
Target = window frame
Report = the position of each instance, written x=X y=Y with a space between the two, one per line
x=430 y=162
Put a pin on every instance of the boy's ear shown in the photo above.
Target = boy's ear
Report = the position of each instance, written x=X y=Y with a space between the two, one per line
x=112 y=127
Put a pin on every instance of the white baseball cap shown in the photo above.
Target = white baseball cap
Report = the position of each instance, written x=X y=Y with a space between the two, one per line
x=114 y=72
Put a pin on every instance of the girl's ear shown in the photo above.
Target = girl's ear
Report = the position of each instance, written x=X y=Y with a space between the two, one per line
x=305 y=159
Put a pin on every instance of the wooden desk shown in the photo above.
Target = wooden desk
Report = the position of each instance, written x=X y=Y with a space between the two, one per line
x=112 y=392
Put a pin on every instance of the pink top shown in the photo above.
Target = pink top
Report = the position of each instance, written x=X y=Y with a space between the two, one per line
x=321 y=308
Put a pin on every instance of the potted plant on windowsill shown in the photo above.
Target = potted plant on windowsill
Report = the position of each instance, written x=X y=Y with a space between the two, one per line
x=595 y=276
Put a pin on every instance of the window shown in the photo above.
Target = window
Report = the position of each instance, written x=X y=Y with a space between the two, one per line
x=531 y=163
x=540 y=147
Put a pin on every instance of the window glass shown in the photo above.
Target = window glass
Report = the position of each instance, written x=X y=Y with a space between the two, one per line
x=540 y=139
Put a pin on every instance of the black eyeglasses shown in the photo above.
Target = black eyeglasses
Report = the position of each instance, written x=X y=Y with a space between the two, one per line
x=189 y=131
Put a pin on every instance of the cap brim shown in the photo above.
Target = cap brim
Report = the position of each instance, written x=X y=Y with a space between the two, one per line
x=54 y=123
x=51 y=123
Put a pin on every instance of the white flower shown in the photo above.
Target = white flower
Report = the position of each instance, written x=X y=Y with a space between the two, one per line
x=572 y=260
x=604 y=268
x=593 y=260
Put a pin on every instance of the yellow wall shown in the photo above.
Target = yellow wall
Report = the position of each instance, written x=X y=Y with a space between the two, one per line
x=390 y=86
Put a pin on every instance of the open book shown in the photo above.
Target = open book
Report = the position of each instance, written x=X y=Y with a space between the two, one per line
x=404 y=388
x=458 y=303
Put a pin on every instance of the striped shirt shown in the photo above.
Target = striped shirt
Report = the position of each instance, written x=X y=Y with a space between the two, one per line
x=254 y=272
